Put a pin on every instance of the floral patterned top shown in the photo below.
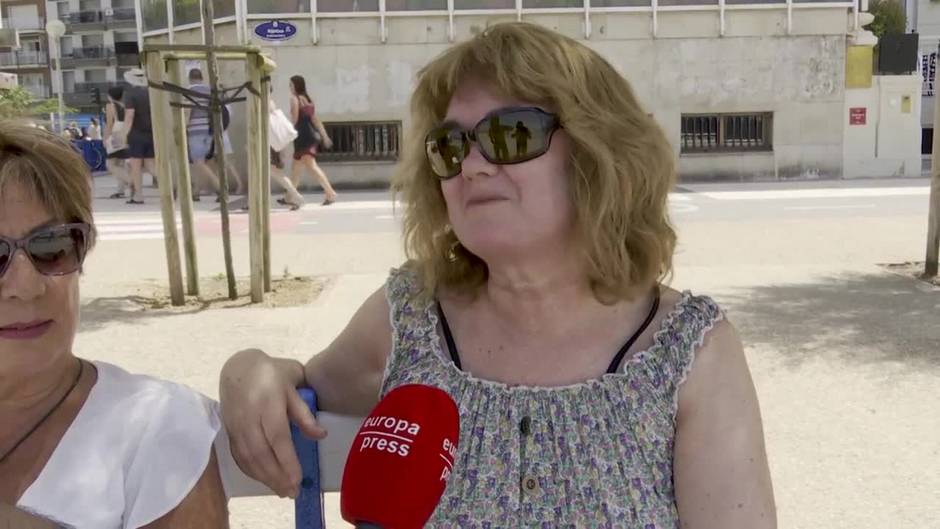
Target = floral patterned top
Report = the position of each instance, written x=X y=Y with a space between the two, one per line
x=594 y=454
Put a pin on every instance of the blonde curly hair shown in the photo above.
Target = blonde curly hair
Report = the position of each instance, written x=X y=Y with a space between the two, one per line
x=622 y=166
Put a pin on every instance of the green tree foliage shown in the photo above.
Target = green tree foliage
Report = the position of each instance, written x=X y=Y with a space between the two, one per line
x=889 y=17
x=18 y=102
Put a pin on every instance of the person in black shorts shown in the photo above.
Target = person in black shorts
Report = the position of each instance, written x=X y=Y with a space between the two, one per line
x=140 y=148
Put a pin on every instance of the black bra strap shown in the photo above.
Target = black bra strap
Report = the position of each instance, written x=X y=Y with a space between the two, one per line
x=636 y=336
x=455 y=356
x=451 y=346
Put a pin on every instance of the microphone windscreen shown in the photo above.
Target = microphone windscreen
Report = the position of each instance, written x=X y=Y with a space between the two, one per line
x=401 y=458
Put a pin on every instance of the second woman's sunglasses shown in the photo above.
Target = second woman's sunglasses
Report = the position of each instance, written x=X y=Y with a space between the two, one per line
x=505 y=136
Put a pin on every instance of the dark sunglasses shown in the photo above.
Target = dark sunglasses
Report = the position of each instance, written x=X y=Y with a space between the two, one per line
x=54 y=251
x=505 y=136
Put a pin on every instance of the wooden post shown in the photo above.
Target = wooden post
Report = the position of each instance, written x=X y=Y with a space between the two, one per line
x=185 y=188
x=255 y=199
x=266 y=171
x=933 y=226
x=933 y=219
x=158 y=105
x=215 y=116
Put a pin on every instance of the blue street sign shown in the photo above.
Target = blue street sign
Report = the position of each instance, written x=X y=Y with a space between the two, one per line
x=276 y=30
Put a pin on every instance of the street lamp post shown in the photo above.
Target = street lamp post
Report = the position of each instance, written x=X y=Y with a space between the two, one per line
x=56 y=29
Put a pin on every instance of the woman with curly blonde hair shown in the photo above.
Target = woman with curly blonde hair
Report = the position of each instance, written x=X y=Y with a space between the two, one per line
x=535 y=218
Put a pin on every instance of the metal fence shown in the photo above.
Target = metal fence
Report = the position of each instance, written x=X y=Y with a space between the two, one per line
x=24 y=58
x=727 y=132
x=91 y=52
x=363 y=141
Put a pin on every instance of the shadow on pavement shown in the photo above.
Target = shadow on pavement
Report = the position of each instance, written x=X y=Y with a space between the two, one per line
x=866 y=318
x=99 y=312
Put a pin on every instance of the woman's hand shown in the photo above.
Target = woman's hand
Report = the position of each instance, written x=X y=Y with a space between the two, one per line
x=259 y=396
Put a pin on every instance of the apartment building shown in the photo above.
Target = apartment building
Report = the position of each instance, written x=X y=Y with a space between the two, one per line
x=100 y=44
x=30 y=62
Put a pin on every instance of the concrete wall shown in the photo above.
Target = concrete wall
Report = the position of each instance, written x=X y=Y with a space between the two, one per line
x=928 y=17
x=755 y=67
x=889 y=143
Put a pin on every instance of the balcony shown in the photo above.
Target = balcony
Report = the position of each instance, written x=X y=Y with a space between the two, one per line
x=121 y=18
x=100 y=85
x=24 y=59
x=128 y=59
x=81 y=96
x=92 y=56
x=38 y=91
x=85 y=21
x=25 y=24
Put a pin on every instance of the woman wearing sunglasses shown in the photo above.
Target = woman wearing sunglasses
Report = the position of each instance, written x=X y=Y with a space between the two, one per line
x=591 y=394
x=84 y=444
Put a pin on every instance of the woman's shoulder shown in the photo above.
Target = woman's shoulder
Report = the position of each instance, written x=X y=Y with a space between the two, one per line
x=145 y=441
x=131 y=387
x=683 y=306
x=145 y=402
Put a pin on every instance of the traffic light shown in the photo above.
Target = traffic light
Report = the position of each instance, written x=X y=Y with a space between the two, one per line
x=96 y=96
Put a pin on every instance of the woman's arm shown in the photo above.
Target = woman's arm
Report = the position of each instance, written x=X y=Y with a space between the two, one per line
x=294 y=109
x=205 y=506
x=259 y=395
x=327 y=141
x=108 y=120
x=720 y=465
x=348 y=373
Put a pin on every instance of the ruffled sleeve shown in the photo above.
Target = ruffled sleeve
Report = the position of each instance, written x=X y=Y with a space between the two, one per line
x=671 y=358
x=176 y=429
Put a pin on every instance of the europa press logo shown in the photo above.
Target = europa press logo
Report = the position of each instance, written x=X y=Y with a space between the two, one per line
x=397 y=436
x=275 y=30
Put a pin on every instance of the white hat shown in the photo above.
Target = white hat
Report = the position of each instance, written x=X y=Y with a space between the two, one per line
x=135 y=77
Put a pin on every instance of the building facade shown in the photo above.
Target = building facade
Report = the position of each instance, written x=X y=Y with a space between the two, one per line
x=100 y=44
x=745 y=89
x=30 y=62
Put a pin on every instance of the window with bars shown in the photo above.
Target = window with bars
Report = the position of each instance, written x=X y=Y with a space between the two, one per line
x=727 y=132
x=362 y=141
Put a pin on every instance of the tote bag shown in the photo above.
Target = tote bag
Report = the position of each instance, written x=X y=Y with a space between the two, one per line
x=281 y=131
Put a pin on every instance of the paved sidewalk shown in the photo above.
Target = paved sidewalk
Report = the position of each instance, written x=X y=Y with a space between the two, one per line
x=845 y=356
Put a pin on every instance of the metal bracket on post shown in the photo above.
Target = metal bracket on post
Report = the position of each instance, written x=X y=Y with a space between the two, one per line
x=587 y=19
x=383 y=28
x=721 y=18
x=314 y=32
x=789 y=17
x=855 y=15
x=654 y=4
x=451 y=30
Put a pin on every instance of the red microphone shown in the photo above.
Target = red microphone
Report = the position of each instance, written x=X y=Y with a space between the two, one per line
x=400 y=460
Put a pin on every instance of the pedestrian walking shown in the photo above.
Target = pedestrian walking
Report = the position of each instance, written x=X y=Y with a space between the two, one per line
x=310 y=136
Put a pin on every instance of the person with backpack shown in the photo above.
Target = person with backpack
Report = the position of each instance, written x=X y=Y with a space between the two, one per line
x=310 y=135
x=199 y=136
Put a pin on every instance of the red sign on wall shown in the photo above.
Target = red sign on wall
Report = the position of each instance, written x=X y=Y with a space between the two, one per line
x=858 y=116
